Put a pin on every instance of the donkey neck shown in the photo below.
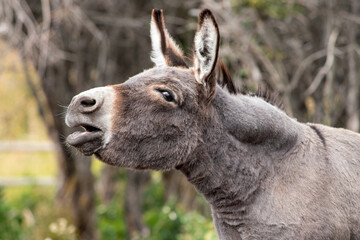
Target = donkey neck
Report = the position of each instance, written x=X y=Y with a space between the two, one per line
x=253 y=121
x=242 y=142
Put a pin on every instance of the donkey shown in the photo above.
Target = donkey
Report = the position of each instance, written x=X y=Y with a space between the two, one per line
x=265 y=175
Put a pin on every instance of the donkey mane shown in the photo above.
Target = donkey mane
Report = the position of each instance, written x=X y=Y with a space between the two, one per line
x=267 y=95
x=225 y=81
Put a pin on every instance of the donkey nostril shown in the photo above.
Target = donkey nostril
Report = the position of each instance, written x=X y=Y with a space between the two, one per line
x=88 y=102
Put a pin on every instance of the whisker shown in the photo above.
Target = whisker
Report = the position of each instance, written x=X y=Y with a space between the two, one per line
x=63 y=106
x=61 y=114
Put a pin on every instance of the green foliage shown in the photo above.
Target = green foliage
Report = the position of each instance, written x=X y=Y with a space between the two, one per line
x=166 y=220
x=11 y=221
x=31 y=215
x=160 y=216
x=110 y=220
x=196 y=227
x=172 y=222
x=31 y=197
x=271 y=8
x=165 y=223
x=155 y=192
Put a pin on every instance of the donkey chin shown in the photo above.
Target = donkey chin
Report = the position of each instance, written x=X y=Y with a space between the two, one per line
x=90 y=110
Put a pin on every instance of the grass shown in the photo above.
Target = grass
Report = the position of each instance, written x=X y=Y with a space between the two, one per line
x=35 y=206
x=27 y=164
x=32 y=203
x=32 y=164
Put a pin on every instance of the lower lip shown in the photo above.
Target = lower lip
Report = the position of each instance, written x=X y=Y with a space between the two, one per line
x=78 y=138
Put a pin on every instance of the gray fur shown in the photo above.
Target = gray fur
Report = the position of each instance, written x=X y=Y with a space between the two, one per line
x=265 y=175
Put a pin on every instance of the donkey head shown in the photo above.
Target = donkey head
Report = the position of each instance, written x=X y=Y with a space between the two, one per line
x=154 y=119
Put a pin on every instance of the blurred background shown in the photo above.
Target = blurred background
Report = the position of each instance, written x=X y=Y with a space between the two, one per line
x=307 y=51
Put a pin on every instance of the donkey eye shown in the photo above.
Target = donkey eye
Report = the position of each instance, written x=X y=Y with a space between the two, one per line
x=167 y=96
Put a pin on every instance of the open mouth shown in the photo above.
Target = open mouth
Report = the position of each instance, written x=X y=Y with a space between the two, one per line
x=88 y=141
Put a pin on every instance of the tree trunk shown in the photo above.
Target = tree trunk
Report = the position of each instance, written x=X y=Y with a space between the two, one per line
x=76 y=182
x=107 y=184
x=352 y=106
x=176 y=185
x=136 y=181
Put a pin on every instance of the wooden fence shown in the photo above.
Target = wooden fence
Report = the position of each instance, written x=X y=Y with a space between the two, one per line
x=26 y=146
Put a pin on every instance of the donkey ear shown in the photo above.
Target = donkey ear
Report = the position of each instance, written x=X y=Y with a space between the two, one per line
x=206 y=45
x=165 y=52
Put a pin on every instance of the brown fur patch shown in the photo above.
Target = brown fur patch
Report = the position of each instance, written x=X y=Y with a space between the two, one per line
x=118 y=106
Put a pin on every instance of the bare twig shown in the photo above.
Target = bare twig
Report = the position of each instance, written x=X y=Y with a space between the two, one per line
x=45 y=33
x=330 y=53
x=304 y=65
x=275 y=80
x=350 y=17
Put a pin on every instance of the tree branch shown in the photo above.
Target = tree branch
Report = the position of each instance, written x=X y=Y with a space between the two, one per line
x=330 y=52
